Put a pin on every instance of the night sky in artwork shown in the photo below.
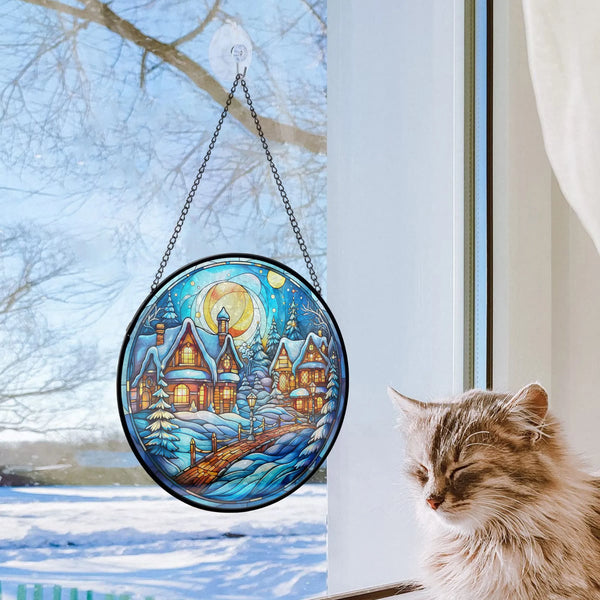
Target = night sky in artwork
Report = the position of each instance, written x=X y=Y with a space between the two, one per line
x=264 y=291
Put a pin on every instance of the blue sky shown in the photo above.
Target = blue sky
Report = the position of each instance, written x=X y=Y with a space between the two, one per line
x=103 y=165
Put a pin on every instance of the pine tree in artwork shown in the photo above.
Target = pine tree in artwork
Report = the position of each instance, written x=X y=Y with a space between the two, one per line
x=262 y=395
x=292 y=331
x=273 y=338
x=331 y=396
x=260 y=360
x=327 y=419
x=170 y=317
x=242 y=395
x=245 y=388
x=246 y=353
x=276 y=397
x=160 y=440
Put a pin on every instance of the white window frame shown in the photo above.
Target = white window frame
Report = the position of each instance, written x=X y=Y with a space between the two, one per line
x=395 y=247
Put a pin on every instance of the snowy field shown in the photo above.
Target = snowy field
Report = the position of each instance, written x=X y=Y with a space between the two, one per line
x=139 y=540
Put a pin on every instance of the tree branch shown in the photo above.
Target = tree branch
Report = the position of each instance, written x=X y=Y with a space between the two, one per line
x=100 y=13
x=198 y=30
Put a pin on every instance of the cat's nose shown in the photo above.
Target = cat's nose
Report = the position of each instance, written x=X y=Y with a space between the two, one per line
x=435 y=501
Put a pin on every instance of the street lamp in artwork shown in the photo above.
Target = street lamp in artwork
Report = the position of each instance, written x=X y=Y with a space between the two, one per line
x=313 y=388
x=251 y=403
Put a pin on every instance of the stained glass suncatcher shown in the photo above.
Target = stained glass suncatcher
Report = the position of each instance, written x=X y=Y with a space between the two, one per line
x=233 y=383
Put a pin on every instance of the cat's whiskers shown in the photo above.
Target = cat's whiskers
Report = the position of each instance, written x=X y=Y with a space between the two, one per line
x=511 y=498
x=474 y=434
x=478 y=444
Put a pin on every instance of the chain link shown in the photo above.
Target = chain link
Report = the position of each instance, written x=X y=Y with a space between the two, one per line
x=284 y=197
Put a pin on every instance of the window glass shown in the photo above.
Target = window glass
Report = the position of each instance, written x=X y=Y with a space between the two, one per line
x=107 y=110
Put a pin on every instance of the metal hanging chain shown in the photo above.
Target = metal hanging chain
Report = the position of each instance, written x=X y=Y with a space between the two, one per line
x=192 y=192
x=282 y=192
x=239 y=78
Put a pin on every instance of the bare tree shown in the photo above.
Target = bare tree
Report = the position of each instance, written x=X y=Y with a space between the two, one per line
x=130 y=158
x=44 y=363
x=94 y=11
x=106 y=110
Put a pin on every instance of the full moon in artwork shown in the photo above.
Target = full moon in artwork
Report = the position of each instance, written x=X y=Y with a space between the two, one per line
x=232 y=383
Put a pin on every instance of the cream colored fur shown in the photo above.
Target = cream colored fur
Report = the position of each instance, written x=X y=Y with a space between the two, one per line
x=522 y=520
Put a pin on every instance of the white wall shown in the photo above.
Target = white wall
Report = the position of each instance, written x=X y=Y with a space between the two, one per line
x=521 y=213
x=395 y=258
x=575 y=330
x=546 y=269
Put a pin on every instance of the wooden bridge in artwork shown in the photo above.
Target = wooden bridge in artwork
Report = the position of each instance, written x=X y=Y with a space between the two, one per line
x=207 y=470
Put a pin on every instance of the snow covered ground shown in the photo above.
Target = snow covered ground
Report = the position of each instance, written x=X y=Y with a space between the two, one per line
x=139 y=540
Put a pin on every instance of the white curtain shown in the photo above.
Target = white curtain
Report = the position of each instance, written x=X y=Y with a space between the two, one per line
x=563 y=43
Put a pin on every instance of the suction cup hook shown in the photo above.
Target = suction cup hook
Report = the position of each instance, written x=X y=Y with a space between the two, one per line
x=230 y=52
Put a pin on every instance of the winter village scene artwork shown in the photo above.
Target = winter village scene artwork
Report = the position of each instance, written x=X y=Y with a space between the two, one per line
x=233 y=383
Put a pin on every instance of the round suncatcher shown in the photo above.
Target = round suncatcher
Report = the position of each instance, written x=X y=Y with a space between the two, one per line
x=232 y=382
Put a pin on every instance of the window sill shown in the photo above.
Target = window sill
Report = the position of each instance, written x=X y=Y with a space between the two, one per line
x=377 y=593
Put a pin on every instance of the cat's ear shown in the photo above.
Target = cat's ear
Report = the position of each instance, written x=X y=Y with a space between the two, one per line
x=409 y=407
x=531 y=400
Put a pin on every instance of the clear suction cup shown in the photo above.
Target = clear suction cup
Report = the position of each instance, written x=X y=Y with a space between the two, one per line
x=230 y=52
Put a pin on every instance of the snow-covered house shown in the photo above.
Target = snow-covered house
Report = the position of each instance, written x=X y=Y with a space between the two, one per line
x=300 y=363
x=200 y=369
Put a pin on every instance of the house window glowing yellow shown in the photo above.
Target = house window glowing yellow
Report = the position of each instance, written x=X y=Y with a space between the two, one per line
x=283 y=382
x=227 y=363
x=282 y=362
x=298 y=404
x=187 y=355
x=304 y=378
x=227 y=393
x=182 y=394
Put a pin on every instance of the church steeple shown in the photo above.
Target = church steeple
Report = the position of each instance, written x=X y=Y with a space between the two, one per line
x=223 y=325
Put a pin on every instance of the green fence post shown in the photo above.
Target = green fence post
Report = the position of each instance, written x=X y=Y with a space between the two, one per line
x=56 y=592
x=124 y=597
x=109 y=597
x=89 y=595
x=38 y=592
x=74 y=594
x=21 y=592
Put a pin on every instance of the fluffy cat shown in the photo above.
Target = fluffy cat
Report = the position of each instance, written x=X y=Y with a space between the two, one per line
x=508 y=512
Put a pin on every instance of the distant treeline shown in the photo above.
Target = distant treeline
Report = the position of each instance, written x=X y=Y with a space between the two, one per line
x=104 y=462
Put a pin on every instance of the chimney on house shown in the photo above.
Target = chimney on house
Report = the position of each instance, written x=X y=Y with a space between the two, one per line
x=160 y=334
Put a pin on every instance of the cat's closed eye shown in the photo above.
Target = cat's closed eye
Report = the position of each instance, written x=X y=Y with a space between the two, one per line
x=457 y=470
x=420 y=472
